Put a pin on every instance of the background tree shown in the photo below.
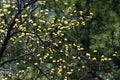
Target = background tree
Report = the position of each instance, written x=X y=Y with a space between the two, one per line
x=103 y=31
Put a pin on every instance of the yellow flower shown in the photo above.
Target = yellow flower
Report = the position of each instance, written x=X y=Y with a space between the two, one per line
x=6 y=5
x=69 y=72
x=65 y=3
x=81 y=13
x=29 y=58
x=56 y=0
x=63 y=60
x=87 y=54
x=59 y=71
x=35 y=63
x=55 y=44
x=16 y=75
x=105 y=59
x=60 y=42
x=49 y=29
x=65 y=39
x=102 y=59
x=28 y=67
x=1 y=15
x=83 y=23
x=81 y=48
x=94 y=51
x=73 y=57
x=78 y=69
x=66 y=22
x=51 y=57
x=17 y=63
x=24 y=62
x=38 y=42
x=102 y=56
x=36 y=15
x=31 y=21
x=94 y=59
x=78 y=46
x=34 y=24
x=58 y=60
x=114 y=55
x=65 y=78
x=53 y=61
x=64 y=66
x=22 y=71
x=78 y=57
x=17 y=20
x=51 y=71
x=2 y=31
x=74 y=44
x=40 y=58
x=5 y=10
x=83 y=66
x=45 y=56
x=109 y=59
x=66 y=54
x=91 y=14
x=13 y=6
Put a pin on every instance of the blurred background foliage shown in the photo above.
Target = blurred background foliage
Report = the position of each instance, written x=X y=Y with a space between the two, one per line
x=103 y=33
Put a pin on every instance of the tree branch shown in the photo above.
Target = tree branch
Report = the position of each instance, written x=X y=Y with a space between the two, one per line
x=12 y=23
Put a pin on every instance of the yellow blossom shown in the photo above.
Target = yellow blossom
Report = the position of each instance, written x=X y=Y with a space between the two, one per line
x=78 y=69
x=87 y=54
x=53 y=61
x=102 y=56
x=83 y=66
x=35 y=63
x=102 y=59
x=81 y=13
x=91 y=14
x=63 y=60
x=114 y=55
x=66 y=22
x=94 y=59
x=64 y=66
x=73 y=57
x=69 y=72
x=83 y=23
x=34 y=24
x=109 y=59
x=78 y=57
x=105 y=59
x=38 y=55
x=94 y=51
x=81 y=48
x=6 y=5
